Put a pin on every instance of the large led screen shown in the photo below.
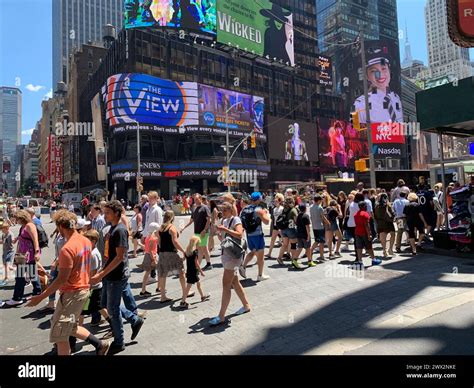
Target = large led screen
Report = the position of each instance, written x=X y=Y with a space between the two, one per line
x=198 y=15
x=166 y=106
x=294 y=140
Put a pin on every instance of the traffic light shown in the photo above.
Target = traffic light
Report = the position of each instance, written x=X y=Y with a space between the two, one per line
x=361 y=165
x=355 y=121
x=225 y=172
x=253 y=141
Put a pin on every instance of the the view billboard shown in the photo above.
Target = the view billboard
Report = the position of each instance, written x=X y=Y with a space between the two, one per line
x=259 y=27
x=294 y=140
x=197 y=15
x=166 y=106
x=340 y=145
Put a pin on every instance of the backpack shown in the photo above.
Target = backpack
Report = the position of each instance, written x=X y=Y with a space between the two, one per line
x=250 y=220
x=283 y=220
x=42 y=237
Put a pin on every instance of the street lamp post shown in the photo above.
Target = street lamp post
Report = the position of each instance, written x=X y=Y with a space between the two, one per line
x=139 y=172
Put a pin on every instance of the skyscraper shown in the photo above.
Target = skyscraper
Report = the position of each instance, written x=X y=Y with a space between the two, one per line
x=445 y=58
x=76 y=22
x=10 y=132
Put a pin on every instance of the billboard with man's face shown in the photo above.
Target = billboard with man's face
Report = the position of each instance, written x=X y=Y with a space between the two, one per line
x=294 y=140
x=196 y=15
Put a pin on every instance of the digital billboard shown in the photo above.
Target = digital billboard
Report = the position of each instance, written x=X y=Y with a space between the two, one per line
x=261 y=27
x=295 y=140
x=325 y=71
x=198 y=15
x=383 y=75
x=340 y=145
x=166 y=106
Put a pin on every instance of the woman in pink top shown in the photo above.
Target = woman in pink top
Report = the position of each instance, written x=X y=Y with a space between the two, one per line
x=151 y=256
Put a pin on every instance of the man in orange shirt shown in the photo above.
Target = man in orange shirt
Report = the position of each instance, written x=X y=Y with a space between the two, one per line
x=73 y=283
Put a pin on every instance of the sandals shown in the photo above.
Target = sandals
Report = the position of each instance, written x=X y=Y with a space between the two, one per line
x=146 y=293
x=280 y=261
x=242 y=311
x=205 y=297
x=191 y=294
x=184 y=305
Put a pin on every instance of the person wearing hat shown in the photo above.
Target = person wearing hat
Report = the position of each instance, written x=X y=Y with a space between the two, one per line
x=385 y=105
x=252 y=217
x=276 y=35
x=82 y=225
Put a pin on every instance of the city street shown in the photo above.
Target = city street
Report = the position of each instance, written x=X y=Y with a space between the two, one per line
x=406 y=306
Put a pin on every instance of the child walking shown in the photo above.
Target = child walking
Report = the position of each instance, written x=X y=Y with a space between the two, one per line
x=150 y=259
x=8 y=251
x=193 y=267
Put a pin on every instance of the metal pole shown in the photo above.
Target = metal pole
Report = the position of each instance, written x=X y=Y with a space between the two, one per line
x=106 y=170
x=373 y=183
x=443 y=179
x=227 y=145
x=139 y=173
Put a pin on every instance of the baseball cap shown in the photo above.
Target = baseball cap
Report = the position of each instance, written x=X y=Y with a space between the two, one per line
x=154 y=226
x=256 y=195
x=81 y=222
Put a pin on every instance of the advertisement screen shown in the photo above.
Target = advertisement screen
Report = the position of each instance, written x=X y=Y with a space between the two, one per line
x=292 y=140
x=166 y=106
x=383 y=74
x=198 y=15
x=340 y=145
x=325 y=71
x=259 y=27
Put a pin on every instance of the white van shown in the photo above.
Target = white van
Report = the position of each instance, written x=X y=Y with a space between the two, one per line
x=25 y=203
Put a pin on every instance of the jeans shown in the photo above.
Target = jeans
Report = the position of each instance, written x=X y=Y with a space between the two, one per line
x=112 y=293
x=54 y=275
x=20 y=281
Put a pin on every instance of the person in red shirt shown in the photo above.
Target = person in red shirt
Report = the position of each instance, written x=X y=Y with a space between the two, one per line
x=73 y=283
x=363 y=236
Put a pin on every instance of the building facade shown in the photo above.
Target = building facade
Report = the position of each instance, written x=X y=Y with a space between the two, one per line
x=445 y=58
x=77 y=22
x=10 y=134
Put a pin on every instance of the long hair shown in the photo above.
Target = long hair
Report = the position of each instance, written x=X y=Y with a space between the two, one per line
x=168 y=219
x=383 y=200
x=192 y=245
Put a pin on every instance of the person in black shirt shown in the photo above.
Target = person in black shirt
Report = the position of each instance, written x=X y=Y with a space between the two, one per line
x=415 y=221
x=303 y=232
x=115 y=275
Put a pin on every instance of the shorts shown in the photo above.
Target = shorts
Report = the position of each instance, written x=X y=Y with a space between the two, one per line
x=137 y=235
x=412 y=230
x=232 y=264
x=66 y=315
x=362 y=242
x=290 y=233
x=93 y=304
x=304 y=243
x=256 y=243
x=319 y=235
x=204 y=240
x=7 y=258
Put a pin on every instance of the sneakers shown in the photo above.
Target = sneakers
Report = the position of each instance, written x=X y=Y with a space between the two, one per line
x=98 y=323
x=243 y=271
x=337 y=254
x=103 y=349
x=136 y=328
x=295 y=264
x=207 y=267
x=398 y=250
x=311 y=264
x=114 y=349
x=145 y=293
x=13 y=302
x=331 y=257
x=261 y=278
x=376 y=261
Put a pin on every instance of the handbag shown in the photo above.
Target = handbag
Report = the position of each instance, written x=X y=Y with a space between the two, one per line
x=232 y=246
x=20 y=258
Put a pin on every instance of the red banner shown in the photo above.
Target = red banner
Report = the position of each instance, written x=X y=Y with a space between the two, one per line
x=55 y=165
x=466 y=17
x=383 y=133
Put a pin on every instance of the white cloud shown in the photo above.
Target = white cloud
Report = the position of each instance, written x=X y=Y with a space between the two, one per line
x=34 y=88
x=49 y=94
x=27 y=132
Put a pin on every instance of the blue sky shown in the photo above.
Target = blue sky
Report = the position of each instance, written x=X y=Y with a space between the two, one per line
x=25 y=40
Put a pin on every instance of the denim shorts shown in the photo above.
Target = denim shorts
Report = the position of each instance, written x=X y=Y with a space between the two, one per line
x=256 y=243
x=8 y=257
x=304 y=243
x=290 y=233
x=319 y=235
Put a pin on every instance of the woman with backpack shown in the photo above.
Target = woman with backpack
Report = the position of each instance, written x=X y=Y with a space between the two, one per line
x=232 y=257
x=286 y=223
x=26 y=258
x=384 y=219
x=275 y=212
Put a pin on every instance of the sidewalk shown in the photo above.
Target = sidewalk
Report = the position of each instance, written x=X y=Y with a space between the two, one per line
x=328 y=309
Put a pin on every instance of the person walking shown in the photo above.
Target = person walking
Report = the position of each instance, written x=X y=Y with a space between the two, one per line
x=333 y=214
x=303 y=227
x=150 y=259
x=136 y=229
x=415 y=221
x=318 y=222
x=286 y=223
x=232 y=258
x=384 y=218
x=363 y=235
x=400 y=219
x=276 y=212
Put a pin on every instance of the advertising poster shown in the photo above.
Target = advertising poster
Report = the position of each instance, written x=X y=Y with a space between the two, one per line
x=383 y=74
x=340 y=145
x=292 y=140
x=325 y=71
x=197 y=15
x=261 y=27
x=164 y=106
